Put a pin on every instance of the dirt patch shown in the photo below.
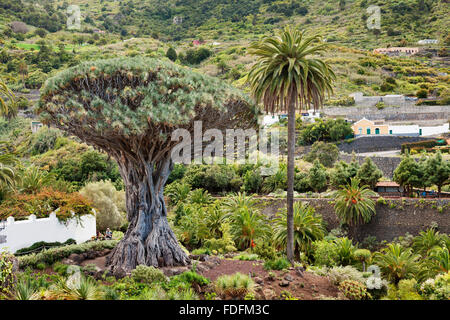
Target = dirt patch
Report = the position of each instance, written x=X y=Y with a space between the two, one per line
x=271 y=284
x=99 y=262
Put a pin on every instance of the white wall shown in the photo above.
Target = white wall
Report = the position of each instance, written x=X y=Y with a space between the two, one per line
x=409 y=129
x=428 y=131
x=24 y=233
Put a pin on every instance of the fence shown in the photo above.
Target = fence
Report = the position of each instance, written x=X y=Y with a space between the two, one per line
x=16 y=235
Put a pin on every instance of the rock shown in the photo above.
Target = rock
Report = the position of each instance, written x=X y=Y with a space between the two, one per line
x=68 y=261
x=228 y=255
x=179 y=270
x=91 y=254
x=284 y=283
x=202 y=268
x=299 y=271
x=289 y=278
x=258 y=280
x=76 y=258
x=269 y=294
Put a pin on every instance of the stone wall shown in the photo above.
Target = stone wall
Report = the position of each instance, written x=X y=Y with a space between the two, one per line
x=401 y=113
x=377 y=143
x=393 y=219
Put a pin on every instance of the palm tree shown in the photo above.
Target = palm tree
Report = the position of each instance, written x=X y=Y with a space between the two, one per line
x=7 y=161
x=353 y=204
x=8 y=105
x=397 y=263
x=286 y=78
x=308 y=227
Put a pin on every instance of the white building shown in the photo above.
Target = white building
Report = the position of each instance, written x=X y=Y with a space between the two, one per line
x=428 y=41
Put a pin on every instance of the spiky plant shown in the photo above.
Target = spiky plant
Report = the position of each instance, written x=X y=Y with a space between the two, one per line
x=427 y=241
x=353 y=203
x=308 y=227
x=7 y=161
x=287 y=77
x=397 y=263
x=238 y=201
x=8 y=103
x=237 y=285
x=25 y=291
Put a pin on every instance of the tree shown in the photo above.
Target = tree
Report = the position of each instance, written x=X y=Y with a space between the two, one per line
x=326 y=153
x=129 y=108
x=317 y=176
x=308 y=227
x=368 y=173
x=407 y=174
x=342 y=173
x=353 y=204
x=171 y=54
x=286 y=78
x=438 y=171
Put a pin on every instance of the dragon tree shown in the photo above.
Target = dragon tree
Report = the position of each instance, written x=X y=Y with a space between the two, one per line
x=129 y=107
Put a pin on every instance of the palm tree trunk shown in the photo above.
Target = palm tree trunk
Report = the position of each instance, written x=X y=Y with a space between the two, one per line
x=290 y=183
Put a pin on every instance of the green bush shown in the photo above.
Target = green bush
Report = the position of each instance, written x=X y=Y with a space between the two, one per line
x=7 y=276
x=325 y=253
x=41 y=245
x=53 y=255
x=277 y=264
x=108 y=202
x=148 y=275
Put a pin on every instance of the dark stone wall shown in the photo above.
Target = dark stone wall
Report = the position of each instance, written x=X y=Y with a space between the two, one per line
x=393 y=219
x=377 y=143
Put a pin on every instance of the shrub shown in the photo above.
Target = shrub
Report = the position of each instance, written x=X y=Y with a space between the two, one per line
x=41 y=245
x=406 y=290
x=53 y=255
x=437 y=288
x=277 y=264
x=326 y=153
x=340 y=274
x=109 y=204
x=234 y=286
x=345 y=250
x=325 y=253
x=148 y=275
x=44 y=140
x=7 y=276
x=422 y=93
x=354 y=290
x=252 y=181
x=43 y=203
x=362 y=255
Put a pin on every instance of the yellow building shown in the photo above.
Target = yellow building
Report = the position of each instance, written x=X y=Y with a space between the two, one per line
x=367 y=127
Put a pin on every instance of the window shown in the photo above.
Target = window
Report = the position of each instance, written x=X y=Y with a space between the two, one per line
x=368 y=130
x=377 y=130
x=390 y=131
x=360 y=130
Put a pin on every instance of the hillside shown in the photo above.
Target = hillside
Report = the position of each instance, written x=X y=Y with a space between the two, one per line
x=340 y=21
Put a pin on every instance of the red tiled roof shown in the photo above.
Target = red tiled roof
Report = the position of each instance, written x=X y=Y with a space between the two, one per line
x=387 y=184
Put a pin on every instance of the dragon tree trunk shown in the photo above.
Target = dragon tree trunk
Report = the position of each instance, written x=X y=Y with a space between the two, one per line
x=149 y=239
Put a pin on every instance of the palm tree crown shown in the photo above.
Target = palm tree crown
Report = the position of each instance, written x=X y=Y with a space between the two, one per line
x=284 y=73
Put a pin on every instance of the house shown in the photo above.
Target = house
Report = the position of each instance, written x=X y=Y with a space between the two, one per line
x=389 y=188
x=35 y=126
x=310 y=115
x=397 y=51
x=368 y=127
x=389 y=100
x=198 y=42
x=428 y=41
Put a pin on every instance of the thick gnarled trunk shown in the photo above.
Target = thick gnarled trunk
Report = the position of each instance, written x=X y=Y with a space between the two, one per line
x=149 y=239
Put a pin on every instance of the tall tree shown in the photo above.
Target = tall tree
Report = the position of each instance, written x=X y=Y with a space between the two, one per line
x=438 y=171
x=129 y=107
x=407 y=174
x=286 y=77
x=368 y=173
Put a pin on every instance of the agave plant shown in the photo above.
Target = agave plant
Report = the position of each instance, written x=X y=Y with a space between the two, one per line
x=353 y=204
x=346 y=250
x=71 y=288
x=397 y=263
x=25 y=291
x=308 y=227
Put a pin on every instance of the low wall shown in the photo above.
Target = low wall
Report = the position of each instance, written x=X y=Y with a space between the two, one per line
x=403 y=113
x=24 y=233
x=393 y=219
x=377 y=143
